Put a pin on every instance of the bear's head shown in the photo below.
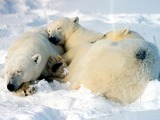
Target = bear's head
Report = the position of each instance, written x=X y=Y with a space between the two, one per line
x=121 y=34
x=20 y=71
x=61 y=29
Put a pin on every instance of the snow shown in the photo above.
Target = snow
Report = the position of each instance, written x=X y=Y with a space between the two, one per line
x=55 y=101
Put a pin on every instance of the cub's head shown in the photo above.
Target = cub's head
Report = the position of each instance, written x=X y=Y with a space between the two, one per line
x=121 y=34
x=61 y=29
x=20 y=70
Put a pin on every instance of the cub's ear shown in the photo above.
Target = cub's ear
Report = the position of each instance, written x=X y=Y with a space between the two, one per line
x=126 y=31
x=75 y=19
x=104 y=35
x=36 y=58
x=6 y=57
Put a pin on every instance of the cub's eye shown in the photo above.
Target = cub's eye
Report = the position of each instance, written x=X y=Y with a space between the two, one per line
x=19 y=71
x=59 y=28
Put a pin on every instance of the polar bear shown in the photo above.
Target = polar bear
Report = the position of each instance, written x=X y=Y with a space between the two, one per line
x=121 y=34
x=27 y=57
x=68 y=32
x=119 y=74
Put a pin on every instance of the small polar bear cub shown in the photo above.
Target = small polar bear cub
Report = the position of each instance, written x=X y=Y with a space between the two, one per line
x=27 y=58
x=68 y=32
x=118 y=70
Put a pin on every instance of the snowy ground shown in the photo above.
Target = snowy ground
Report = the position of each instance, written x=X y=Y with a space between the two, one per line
x=54 y=101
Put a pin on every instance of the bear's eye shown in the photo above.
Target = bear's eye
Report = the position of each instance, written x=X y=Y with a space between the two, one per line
x=105 y=35
x=59 y=28
x=19 y=71
x=49 y=31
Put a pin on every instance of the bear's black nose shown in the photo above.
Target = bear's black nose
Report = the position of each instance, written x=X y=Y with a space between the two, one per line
x=141 y=55
x=54 y=40
x=10 y=87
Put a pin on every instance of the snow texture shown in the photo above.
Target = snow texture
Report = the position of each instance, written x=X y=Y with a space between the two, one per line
x=55 y=101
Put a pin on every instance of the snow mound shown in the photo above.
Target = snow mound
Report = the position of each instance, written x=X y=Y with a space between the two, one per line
x=56 y=101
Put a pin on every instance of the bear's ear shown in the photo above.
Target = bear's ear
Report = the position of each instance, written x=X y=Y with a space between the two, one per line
x=75 y=19
x=36 y=58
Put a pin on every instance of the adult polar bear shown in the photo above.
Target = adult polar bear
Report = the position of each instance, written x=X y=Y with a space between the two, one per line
x=68 y=32
x=118 y=70
x=27 y=57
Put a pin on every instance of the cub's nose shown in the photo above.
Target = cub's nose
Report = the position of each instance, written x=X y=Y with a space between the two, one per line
x=54 y=40
x=10 y=87
x=141 y=55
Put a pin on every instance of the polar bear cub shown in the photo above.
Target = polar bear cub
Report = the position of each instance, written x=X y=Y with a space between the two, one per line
x=27 y=58
x=68 y=32
x=119 y=74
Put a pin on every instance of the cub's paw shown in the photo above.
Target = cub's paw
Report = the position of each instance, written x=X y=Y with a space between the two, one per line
x=55 y=67
x=64 y=73
x=59 y=68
